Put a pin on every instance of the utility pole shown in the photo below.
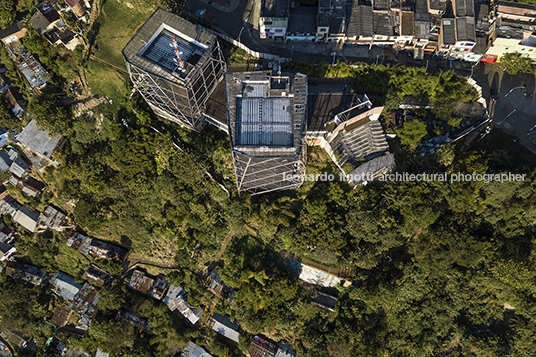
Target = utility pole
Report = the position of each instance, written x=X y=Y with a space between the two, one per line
x=240 y=34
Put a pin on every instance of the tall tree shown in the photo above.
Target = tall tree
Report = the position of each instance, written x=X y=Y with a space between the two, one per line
x=513 y=63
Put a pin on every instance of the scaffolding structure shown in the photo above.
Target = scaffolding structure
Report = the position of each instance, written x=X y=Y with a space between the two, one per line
x=267 y=124
x=175 y=65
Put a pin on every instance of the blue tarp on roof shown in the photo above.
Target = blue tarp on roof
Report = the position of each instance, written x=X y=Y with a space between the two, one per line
x=3 y=136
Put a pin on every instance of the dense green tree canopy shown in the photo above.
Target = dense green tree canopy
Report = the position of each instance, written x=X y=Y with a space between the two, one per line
x=432 y=264
x=513 y=63
x=412 y=132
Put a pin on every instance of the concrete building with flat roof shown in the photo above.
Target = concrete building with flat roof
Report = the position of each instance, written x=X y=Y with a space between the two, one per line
x=267 y=123
x=175 y=65
x=273 y=20
x=525 y=47
x=26 y=218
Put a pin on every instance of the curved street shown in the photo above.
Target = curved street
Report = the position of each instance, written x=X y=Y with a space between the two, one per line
x=5 y=349
x=514 y=107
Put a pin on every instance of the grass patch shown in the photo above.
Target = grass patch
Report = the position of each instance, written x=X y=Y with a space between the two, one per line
x=116 y=25
x=71 y=261
x=70 y=68
x=318 y=162
x=236 y=55
x=107 y=81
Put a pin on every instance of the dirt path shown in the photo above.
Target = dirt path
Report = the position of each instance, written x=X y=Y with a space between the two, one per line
x=94 y=14
x=83 y=80
x=227 y=240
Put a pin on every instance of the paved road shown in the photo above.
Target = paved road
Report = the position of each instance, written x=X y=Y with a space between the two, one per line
x=239 y=19
x=5 y=350
x=514 y=111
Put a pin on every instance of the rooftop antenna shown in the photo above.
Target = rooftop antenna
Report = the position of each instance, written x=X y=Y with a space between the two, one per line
x=178 y=54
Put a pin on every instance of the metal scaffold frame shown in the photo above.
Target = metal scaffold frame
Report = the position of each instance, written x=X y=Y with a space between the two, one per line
x=263 y=175
x=156 y=95
x=269 y=148
x=178 y=94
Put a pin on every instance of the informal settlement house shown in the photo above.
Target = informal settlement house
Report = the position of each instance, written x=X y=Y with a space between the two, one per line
x=54 y=219
x=262 y=347
x=144 y=283
x=94 y=247
x=29 y=186
x=15 y=101
x=313 y=275
x=175 y=65
x=48 y=22
x=25 y=272
x=216 y=284
x=98 y=276
x=26 y=218
x=13 y=33
x=39 y=144
x=225 y=327
x=65 y=286
x=7 y=156
x=7 y=233
x=176 y=300
x=32 y=71
x=267 y=122
x=77 y=8
x=6 y=251
x=83 y=300
x=193 y=350
x=20 y=214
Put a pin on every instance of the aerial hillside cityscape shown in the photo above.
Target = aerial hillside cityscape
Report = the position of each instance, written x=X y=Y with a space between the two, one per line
x=267 y=178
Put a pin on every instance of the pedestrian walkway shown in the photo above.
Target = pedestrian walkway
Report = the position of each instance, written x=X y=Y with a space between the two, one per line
x=226 y=242
x=523 y=99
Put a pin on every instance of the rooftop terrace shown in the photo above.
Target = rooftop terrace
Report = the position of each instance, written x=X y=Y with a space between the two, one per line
x=153 y=50
x=266 y=110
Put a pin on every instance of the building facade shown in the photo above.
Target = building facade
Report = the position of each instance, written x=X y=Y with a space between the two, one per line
x=175 y=65
x=267 y=123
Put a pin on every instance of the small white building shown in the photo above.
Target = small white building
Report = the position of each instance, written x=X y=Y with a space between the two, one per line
x=26 y=218
x=6 y=251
